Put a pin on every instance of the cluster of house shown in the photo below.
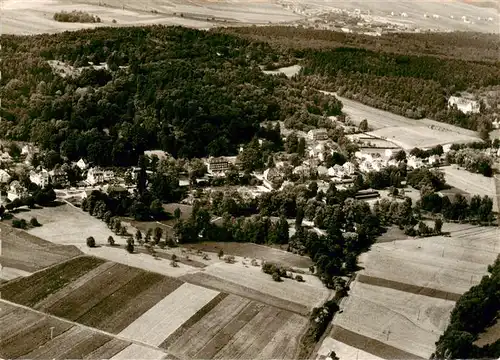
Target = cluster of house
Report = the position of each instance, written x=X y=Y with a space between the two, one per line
x=58 y=175
x=376 y=161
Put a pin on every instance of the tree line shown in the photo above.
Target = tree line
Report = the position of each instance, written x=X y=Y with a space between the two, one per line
x=474 y=312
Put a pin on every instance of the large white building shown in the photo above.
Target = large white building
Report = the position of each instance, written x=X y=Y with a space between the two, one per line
x=466 y=106
x=99 y=176
x=317 y=135
x=40 y=178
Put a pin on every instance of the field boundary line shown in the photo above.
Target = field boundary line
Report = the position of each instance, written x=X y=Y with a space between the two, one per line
x=407 y=288
x=368 y=344
x=85 y=326
x=262 y=301
x=40 y=270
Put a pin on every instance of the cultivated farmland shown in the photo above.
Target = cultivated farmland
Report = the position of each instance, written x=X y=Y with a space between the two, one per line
x=35 y=16
x=474 y=184
x=168 y=314
x=91 y=291
x=238 y=328
x=68 y=225
x=401 y=300
x=152 y=310
x=255 y=251
x=402 y=131
x=29 y=253
x=310 y=293
x=26 y=334
x=400 y=319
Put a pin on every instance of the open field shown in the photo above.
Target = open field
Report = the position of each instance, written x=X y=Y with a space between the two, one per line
x=68 y=225
x=377 y=119
x=92 y=292
x=403 y=320
x=401 y=300
x=135 y=351
x=71 y=226
x=310 y=293
x=474 y=184
x=26 y=334
x=402 y=131
x=448 y=264
x=156 y=324
x=28 y=253
x=152 y=310
x=255 y=251
x=35 y=16
x=238 y=328
x=216 y=283
x=343 y=351
x=421 y=136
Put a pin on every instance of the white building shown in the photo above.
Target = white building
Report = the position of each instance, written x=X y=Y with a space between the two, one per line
x=318 y=152
x=447 y=148
x=496 y=124
x=16 y=191
x=317 y=135
x=82 y=165
x=336 y=171
x=4 y=177
x=322 y=170
x=40 y=178
x=218 y=165
x=99 y=176
x=349 y=168
x=414 y=162
x=464 y=105
x=433 y=159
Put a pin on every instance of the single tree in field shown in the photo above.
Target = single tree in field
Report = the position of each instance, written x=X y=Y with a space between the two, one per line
x=158 y=234
x=149 y=233
x=90 y=242
x=123 y=231
x=221 y=253
x=138 y=236
x=130 y=246
x=111 y=241
x=34 y=222
x=363 y=125
x=276 y=276
x=438 y=225
x=118 y=227
x=333 y=356
x=177 y=213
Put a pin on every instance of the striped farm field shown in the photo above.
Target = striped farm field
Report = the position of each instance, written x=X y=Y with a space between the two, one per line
x=157 y=316
x=26 y=334
x=401 y=300
x=156 y=324
x=237 y=328
x=93 y=292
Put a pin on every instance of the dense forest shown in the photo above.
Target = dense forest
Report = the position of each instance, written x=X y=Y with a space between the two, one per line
x=197 y=93
x=407 y=74
x=474 y=312
x=188 y=92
